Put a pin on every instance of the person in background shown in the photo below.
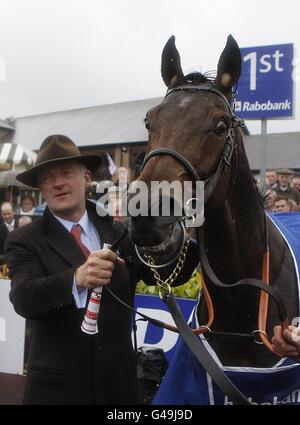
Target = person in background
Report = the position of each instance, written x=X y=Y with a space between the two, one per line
x=283 y=186
x=270 y=199
x=27 y=206
x=8 y=224
x=24 y=220
x=282 y=204
x=271 y=179
x=295 y=183
x=53 y=264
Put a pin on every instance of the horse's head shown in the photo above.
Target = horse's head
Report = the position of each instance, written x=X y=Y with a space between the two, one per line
x=194 y=120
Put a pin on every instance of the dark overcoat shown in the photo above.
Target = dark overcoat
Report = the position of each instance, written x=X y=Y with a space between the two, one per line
x=65 y=365
x=4 y=233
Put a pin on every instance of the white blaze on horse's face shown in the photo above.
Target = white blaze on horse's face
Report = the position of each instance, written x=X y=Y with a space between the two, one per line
x=185 y=103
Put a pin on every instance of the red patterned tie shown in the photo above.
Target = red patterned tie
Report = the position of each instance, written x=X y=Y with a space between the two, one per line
x=76 y=232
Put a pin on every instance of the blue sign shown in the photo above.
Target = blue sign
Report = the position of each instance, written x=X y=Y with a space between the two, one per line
x=265 y=89
x=153 y=336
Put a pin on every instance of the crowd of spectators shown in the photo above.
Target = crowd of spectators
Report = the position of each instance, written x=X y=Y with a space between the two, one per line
x=13 y=216
x=282 y=190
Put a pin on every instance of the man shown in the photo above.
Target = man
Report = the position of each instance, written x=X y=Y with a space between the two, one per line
x=24 y=220
x=282 y=204
x=8 y=225
x=51 y=276
x=283 y=186
x=271 y=179
x=295 y=183
x=270 y=199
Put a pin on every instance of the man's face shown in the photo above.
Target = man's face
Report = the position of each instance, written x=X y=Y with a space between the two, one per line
x=27 y=205
x=296 y=183
x=281 y=206
x=270 y=199
x=63 y=187
x=284 y=180
x=271 y=177
x=7 y=213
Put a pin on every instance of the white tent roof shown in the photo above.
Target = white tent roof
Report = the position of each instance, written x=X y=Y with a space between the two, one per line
x=16 y=154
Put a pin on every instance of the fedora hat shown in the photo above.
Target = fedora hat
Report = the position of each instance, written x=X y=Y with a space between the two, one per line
x=54 y=149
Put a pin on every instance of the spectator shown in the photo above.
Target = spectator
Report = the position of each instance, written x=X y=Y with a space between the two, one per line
x=24 y=220
x=27 y=206
x=295 y=183
x=8 y=225
x=271 y=179
x=270 y=199
x=283 y=186
x=282 y=204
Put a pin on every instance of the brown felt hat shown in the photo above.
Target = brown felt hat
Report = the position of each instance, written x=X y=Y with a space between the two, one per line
x=57 y=148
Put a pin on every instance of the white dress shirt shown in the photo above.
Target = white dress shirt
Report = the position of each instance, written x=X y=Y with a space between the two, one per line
x=10 y=226
x=90 y=238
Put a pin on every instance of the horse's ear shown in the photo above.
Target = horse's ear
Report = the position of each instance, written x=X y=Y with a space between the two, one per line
x=171 y=70
x=229 y=66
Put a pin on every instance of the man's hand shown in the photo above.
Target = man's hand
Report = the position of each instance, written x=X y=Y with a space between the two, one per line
x=97 y=270
x=287 y=343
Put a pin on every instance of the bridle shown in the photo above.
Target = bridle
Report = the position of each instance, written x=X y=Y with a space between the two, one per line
x=228 y=157
x=229 y=154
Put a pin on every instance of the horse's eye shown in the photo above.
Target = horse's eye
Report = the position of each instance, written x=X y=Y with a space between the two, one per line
x=147 y=123
x=220 y=128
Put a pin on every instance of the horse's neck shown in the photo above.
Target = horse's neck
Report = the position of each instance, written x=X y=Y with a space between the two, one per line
x=235 y=231
x=234 y=239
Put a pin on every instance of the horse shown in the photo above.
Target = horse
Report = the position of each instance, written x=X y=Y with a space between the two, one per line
x=194 y=132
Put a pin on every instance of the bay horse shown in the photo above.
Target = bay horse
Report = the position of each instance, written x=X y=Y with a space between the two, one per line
x=195 y=121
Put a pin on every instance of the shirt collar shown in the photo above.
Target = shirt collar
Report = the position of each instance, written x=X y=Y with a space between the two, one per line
x=12 y=224
x=84 y=223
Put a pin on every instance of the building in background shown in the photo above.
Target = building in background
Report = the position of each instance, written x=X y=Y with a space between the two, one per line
x=118 y=132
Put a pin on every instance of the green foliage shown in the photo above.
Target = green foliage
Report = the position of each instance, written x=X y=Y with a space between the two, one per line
x=190 y=289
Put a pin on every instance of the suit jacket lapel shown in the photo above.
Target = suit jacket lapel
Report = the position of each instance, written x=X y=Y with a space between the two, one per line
x=108 y=233
x=61 y=240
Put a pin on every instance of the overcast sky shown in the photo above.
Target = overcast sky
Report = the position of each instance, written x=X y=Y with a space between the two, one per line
x=68 y=54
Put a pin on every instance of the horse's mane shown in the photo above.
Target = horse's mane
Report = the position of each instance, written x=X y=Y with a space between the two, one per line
x=194 y=78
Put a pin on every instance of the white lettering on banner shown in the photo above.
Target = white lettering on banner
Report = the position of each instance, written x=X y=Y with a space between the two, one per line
x=2 y=330
x=267 y=65
x=294 y=397
x=168 y=339
x=266 y=106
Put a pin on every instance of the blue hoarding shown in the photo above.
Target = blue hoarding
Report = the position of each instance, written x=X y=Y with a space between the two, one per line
x=155 y=337
x=265 y=89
